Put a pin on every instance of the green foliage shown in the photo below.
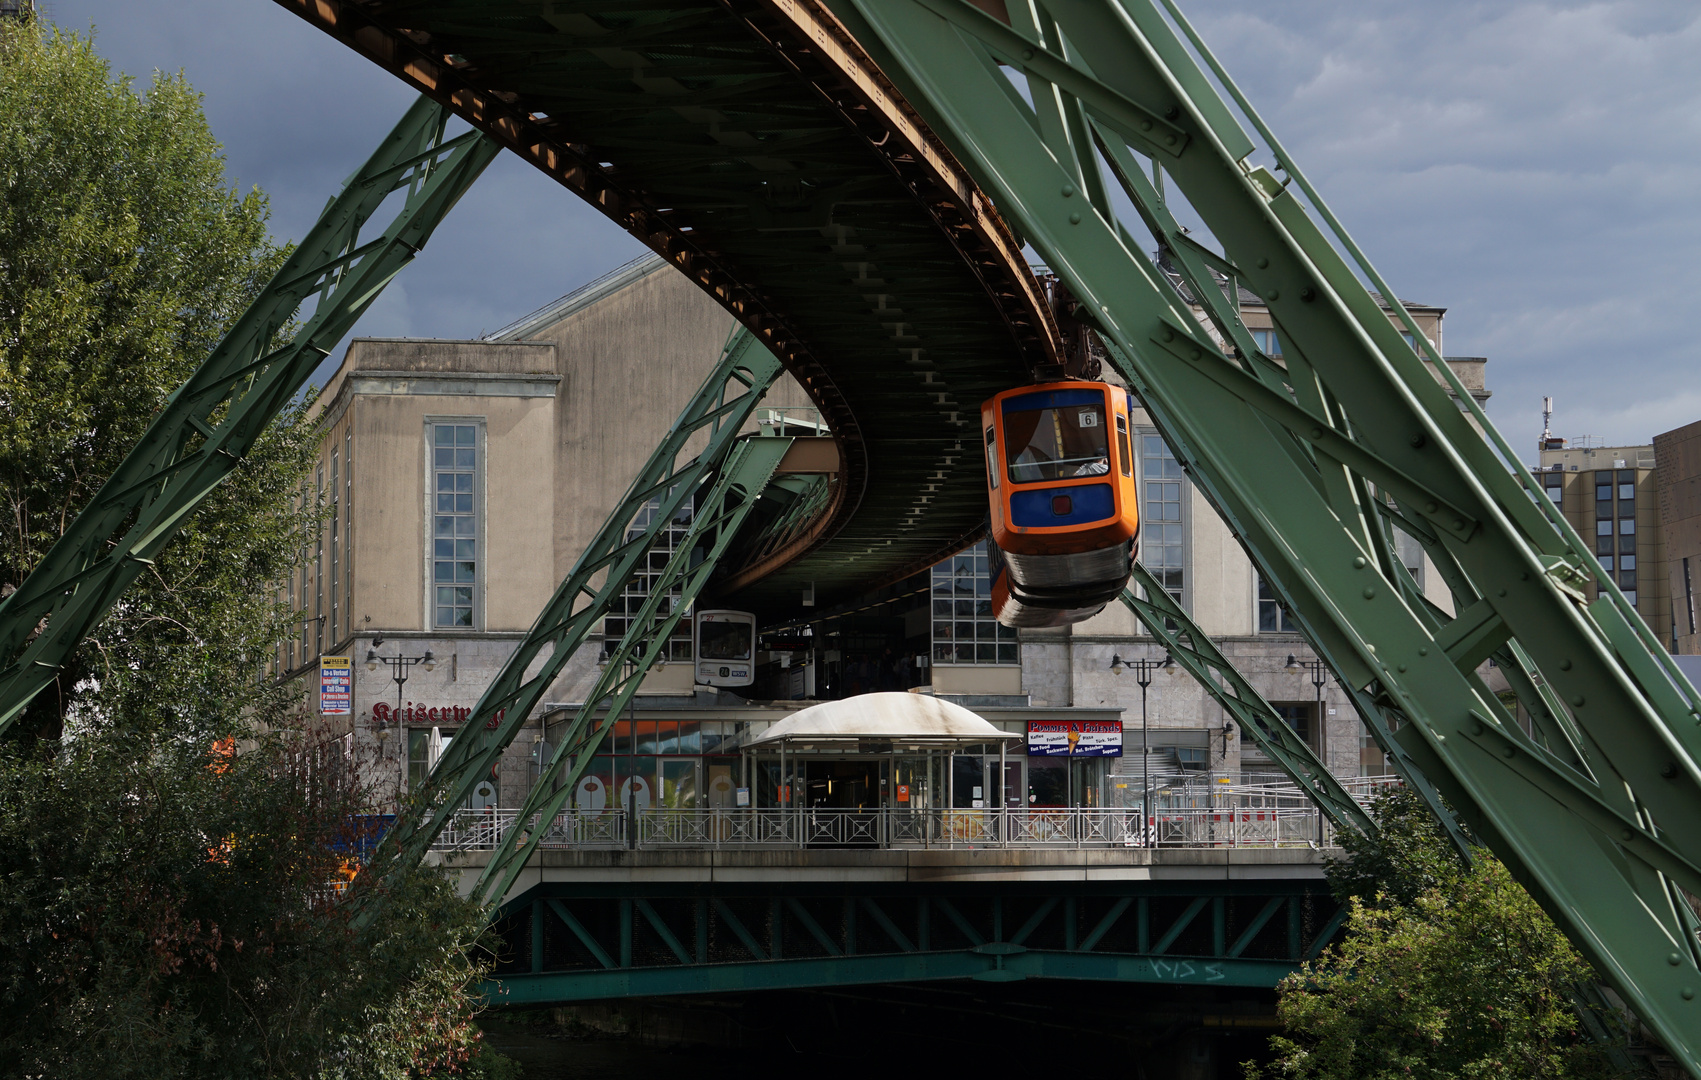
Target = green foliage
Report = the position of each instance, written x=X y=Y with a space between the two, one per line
x=174 y=916
x=170 y=913
x=1446 y=971
x=123 y=258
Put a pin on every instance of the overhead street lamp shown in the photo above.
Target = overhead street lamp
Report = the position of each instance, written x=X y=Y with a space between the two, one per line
x=1143 y=668
x=399 y=667
x=1319 y=672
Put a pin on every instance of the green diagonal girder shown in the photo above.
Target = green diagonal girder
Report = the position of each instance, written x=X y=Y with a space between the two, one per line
x=720 y=408
x=1295 y=463
x=737 y=487
x=215 y=418
x=1201 y=658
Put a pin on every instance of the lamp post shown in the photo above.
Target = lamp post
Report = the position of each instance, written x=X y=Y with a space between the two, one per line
x=1319 y=673
x=399 y=667
x=1143 y=668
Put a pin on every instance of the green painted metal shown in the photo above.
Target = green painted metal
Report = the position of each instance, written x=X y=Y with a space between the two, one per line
x=663 y=490
x=213 y=420
x=1309 y=458
x=563 y=987
x=1199 y=657
x=738 y=485
x=580 y=941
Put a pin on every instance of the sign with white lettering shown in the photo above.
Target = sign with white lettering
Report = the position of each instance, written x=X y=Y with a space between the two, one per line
x=1074 y=738
x=336 y=685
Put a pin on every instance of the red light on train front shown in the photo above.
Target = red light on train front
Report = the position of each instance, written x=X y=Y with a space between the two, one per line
x=1061 y=505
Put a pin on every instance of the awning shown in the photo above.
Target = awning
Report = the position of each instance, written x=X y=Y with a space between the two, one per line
x=904 y=720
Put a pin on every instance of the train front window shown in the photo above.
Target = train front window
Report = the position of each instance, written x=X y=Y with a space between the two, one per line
x=723 y=641
x=1057 y=443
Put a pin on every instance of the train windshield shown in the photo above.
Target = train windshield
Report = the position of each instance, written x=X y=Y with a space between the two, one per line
x=1055 y=435
x=723 y=641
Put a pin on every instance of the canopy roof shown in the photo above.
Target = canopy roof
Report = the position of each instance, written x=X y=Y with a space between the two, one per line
x=915 y=719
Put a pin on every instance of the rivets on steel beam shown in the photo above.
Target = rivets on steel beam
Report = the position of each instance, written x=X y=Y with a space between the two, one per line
x=1145 y=125
x=1370 y=592
x=1169 y=335
x=1578 y=701
x=1687 y=993
x=1172 y=112
x=1308 y=294
x=1028 y=54
x=1509 y=752
x=1400 y=668
x=1316 y=433
x=1476 y=726
x=1459 y=523
x=1565 y=665
x=1263 y=263
x=1068 y=190
x=1358 y=562
x=1169 y=140
x=1671 y=958
x=1417 y=441
x=1423 y=650
x=1195 y=355
x=1668 y=770
x=1430 y=508
x=1074 y=219
x=1273 y=294
x=1502 y=592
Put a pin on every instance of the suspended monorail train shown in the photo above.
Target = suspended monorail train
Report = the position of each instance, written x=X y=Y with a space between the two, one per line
x=1064 y=516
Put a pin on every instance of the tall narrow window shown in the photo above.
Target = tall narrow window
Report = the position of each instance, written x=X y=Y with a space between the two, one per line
x=348 y=529
x=1689 y=594
x=1163 y=545
x=1124 y=457
x=649 y=577
x=964 y=630
x=318 y=568
x=336 y=588
x=1272 y=616
x=454 y=523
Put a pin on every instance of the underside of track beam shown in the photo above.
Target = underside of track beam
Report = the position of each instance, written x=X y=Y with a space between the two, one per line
x=1312 y=456
x=212 y=421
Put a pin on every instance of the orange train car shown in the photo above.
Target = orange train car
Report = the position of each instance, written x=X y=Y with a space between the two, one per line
x=1064 y=511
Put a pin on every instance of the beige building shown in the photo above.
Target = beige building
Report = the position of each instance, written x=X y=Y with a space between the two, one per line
x=1612 y=496
x=1677 y=456
x=462 y=480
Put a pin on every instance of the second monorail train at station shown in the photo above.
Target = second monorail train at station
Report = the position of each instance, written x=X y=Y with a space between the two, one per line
x=1062 y=490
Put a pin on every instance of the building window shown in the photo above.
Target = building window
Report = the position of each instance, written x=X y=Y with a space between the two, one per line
x=336 y=549
x=1267 y=341
x=1272 y=616
x=1163 y=547
x=648 y=578
x=964 y=630
x=1555 y=488
x=454 y=523
x=1689 y=594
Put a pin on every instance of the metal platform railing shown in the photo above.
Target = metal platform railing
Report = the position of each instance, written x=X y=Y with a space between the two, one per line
x=1201 y=827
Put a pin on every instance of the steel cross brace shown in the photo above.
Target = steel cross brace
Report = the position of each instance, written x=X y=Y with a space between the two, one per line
x=1302 y=457
x=212 y=421
x=737 y=487
x=1201 y=658
x=719 y=409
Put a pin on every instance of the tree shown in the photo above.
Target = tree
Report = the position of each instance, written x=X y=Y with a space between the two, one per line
x=123 y=258
x=1445 y=971
x=173 y=906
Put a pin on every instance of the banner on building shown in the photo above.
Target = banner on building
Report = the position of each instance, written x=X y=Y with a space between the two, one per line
x=1074 y=738
x=336 y=685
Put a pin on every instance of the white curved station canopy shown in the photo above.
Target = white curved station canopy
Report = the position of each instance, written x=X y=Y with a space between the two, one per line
x=914 y=720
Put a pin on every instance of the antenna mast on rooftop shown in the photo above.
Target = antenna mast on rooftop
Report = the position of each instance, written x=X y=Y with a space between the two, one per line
x=1547 y=422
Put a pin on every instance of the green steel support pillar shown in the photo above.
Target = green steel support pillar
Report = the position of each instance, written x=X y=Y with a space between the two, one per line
x=214 y=419
x=663 y=490
x=1314 y=456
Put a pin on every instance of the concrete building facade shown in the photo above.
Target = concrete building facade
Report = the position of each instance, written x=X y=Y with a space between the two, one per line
x=462 y=479
x=1677 y=468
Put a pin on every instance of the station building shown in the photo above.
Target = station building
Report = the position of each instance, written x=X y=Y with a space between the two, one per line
x=462 y=479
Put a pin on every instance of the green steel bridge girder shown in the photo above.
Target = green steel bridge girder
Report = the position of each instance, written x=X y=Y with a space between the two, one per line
x=214 y=419
x=578 y=943
x=723 y=482
x=986 y=964
x=1311 y=459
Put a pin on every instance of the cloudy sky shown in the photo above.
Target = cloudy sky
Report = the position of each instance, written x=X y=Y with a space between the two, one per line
x=1532 y=167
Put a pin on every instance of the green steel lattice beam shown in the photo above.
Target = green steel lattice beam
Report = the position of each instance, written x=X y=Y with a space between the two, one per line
x=1309 y=459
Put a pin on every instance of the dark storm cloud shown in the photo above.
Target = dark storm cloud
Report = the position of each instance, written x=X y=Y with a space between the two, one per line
x=1529 y=166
